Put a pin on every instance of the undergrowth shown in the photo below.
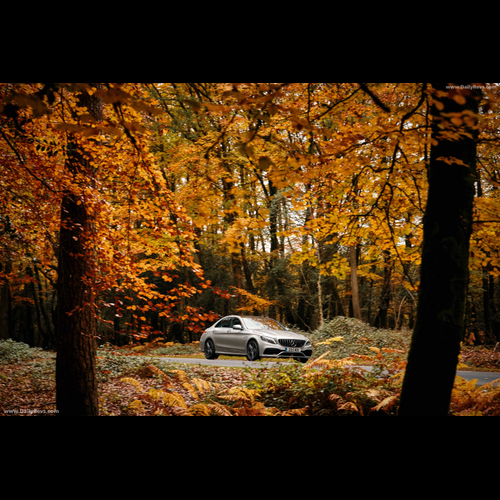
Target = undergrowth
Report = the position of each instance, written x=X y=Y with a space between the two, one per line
x=344 y=337
x=131 y=383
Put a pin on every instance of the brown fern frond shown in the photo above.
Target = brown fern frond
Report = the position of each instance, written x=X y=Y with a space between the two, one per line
x=191 y=390
x=180 y=375
x=200 y=410
x=386 y=404
x=160 y=373
x=238 y=394
x=169 y=399
x=298 y=412
x=256 y=410
x=221 y=410
x=136 y=407
x=204 y=386
x=133 y=382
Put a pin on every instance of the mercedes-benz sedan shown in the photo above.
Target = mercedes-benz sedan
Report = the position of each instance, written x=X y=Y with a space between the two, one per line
x=253 y=337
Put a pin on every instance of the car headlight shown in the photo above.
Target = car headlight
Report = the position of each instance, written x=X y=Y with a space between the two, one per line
x=269 y=340
x=307 y=344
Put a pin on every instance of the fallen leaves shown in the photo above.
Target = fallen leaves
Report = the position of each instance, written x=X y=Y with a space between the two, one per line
x=132 y=385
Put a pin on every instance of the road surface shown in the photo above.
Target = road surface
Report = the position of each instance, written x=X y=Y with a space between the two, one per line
x=481 y=377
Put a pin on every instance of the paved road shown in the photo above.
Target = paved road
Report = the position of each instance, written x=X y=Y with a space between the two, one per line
x=221 y=362
x=481 y=377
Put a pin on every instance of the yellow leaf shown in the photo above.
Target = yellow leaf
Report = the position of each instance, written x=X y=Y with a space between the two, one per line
x=439 y=105
x=375 y=349
x=349 y=407
x=387 y=403
x=316 y=361
x=333 y=339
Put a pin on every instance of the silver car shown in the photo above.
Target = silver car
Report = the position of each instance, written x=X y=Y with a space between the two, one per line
x=253 y=337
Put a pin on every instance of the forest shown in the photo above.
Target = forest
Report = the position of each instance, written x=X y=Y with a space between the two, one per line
x=132 y=212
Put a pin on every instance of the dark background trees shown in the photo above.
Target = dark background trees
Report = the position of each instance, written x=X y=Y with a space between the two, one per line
x=196 y=200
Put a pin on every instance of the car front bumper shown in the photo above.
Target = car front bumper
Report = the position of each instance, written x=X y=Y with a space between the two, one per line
x=286 y=352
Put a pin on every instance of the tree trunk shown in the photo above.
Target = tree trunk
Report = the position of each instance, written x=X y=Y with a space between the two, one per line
x=354 y=282
x=440 y=322
x=5 y=303
x=76 y=381
x=385 y=297
x=321 y=318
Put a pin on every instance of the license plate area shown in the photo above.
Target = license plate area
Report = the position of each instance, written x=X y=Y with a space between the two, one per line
x=292 y=349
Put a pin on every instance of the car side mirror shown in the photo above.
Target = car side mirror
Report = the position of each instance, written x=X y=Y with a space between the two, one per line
x=237 y=327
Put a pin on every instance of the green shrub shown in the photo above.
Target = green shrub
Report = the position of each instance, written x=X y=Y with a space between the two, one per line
x=357 y=338
x=13 y=352
x=327 y=392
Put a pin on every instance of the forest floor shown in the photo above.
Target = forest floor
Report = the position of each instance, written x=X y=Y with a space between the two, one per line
x=131 y=384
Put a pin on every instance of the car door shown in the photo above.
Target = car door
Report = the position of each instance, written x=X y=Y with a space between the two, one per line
x=236 y=337
x=220 y=335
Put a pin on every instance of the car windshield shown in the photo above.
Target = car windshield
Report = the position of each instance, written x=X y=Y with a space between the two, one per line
x=255 y=323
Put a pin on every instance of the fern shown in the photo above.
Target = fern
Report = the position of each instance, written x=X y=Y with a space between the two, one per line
x=191 y=390
x=169 y=399
x=180 y=375
x=163 y=376
x=469 y=399
x=200 y=410
x=136 y=407
x=256 y=410
x=238 y=394
x=294 y=413
x=204 y=386
x=133 y=382
x=219 y=409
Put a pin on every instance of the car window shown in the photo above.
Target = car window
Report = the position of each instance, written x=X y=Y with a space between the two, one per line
x=225 y=323
x=256 y=323
x=235 y=321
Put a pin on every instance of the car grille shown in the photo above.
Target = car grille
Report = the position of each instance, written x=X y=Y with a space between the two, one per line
x=291 y=342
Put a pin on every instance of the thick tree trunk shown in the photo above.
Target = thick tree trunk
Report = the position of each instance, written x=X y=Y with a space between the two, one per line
x=440 y=322
x=76 y=381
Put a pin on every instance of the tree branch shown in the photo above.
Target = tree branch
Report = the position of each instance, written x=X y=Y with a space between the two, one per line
x=376 y=100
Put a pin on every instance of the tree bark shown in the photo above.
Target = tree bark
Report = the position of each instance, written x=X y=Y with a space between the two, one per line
x=354 y=282
x=5 y=303
x=76 y=381
x=440 y=322
x=385 y=297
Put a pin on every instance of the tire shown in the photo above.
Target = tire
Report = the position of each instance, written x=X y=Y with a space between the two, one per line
x=253 y=351
x=210 y=350
x=302 y=360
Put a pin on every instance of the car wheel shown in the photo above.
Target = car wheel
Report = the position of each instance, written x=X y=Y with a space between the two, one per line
x=253 y=351
x=302 y=360
x=210 y=350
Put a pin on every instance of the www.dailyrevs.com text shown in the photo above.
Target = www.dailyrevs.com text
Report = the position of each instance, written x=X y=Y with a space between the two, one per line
x=31 y=412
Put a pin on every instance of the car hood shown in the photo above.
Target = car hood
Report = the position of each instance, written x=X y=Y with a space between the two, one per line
x=278 y=334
